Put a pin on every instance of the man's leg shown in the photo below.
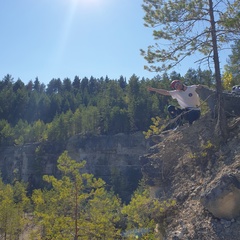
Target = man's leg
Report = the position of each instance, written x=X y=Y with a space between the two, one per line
x=192 y=115
x=175 y=112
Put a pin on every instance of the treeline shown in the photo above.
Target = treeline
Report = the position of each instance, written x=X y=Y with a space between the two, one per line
x=36 y=112
x=77 y=206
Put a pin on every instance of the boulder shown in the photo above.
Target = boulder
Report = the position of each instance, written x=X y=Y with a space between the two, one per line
x=231 y=101
x=222 y=198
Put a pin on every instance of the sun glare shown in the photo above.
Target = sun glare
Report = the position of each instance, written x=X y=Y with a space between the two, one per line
x=88 y=3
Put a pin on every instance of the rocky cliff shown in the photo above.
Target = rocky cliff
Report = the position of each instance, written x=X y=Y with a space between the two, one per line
x=113 y=158
x=202 y=175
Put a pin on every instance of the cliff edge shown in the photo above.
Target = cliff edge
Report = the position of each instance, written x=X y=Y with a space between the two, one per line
x=190 y=166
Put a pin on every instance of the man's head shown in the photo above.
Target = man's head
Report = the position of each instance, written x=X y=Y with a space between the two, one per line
x=176 y=85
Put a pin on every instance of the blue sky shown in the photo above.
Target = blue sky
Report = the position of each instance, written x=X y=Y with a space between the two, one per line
x=64 y=38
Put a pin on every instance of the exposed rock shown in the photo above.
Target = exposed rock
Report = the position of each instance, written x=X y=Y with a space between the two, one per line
x=222 y=198
x=231 y=101
x=113 y=158
x=188 y=164
x=28 y=163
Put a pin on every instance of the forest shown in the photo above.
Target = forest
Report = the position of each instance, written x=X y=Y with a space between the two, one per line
x=34 y=112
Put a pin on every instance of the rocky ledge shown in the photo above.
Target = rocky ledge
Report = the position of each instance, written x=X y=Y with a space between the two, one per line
x=188 y=165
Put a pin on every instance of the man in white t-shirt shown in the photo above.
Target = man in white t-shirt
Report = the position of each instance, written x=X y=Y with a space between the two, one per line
x=187 y=99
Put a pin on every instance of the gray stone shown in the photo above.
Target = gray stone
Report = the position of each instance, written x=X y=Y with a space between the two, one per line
x=113 y=158
x=222 y=198
x=231 y=101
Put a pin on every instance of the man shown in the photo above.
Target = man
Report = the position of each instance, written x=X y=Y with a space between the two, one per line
x=186 y=97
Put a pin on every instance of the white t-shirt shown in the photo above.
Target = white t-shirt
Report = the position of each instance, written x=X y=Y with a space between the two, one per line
x=188 y=98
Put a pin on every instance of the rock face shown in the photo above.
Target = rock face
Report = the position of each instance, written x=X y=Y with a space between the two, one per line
x=190 y=166
x=114 y=158
x=222 y=199
x=231 y=101
x=102 y=152
x=29 y=163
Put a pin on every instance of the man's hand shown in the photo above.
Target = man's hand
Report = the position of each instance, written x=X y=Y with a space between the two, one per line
x=151 y=89
x=159 y=91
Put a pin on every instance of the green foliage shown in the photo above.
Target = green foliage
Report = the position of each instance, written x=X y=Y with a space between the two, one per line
x=77 y=206
x=199 y=77
x=204 y=107
x=143 y=214
x=177 y=33
x=7 y=132
x=227 y=81
x=21 y=132
x=232 y=67
x=207 y=150
x=230 y=19
x=156 y=128
x=13 y=204
x=34 y=113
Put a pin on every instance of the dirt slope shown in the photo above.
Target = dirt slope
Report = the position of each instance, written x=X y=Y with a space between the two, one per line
x=181 y=165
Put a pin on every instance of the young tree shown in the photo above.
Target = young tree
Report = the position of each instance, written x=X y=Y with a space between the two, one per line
x=188 y=27
x=143 y=214
x=233 y=63
x=227 y=81
x=76 y=207
x=13 y=203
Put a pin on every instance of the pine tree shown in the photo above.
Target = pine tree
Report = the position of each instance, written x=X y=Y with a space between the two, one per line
x=185 y=27
x=76 y=207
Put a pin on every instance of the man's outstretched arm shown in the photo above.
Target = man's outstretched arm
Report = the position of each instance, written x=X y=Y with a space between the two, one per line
x=159 y=91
